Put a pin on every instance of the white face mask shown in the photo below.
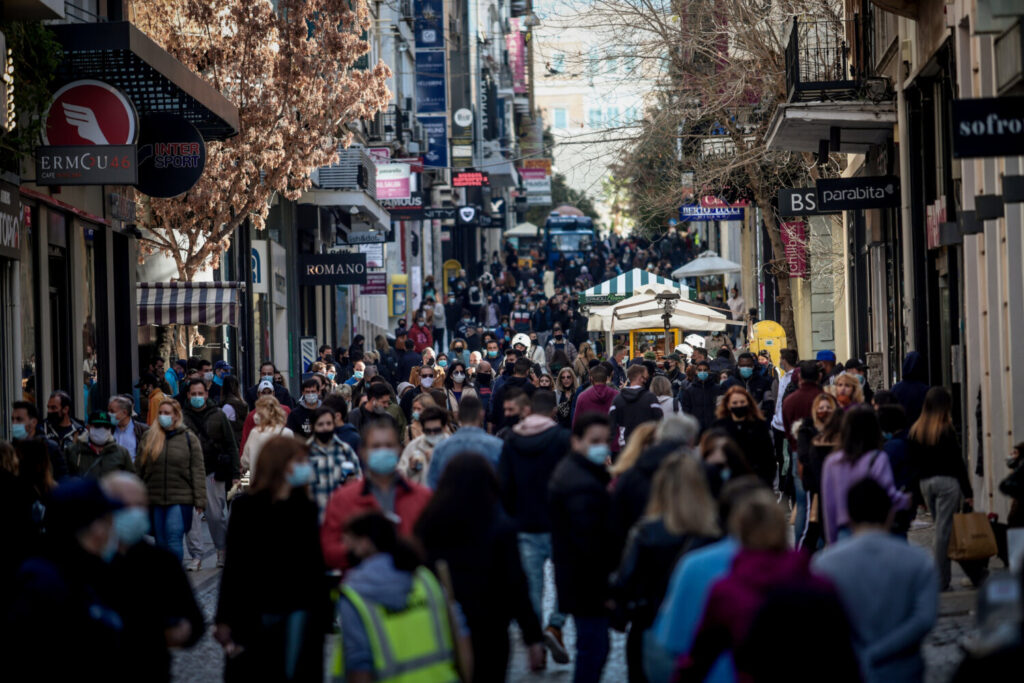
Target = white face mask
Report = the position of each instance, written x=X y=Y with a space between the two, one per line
x=99 y=435
x=459 y=377
x=427 y=381
x=310 y=399
x=433 y=439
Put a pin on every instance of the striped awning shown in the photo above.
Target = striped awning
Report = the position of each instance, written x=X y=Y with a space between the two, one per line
x=189 y=303
x=623 y=286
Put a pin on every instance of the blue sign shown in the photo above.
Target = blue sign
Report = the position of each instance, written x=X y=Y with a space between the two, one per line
x=695 y=212
x=436 y=130
x=429 y=23
x=431 y=95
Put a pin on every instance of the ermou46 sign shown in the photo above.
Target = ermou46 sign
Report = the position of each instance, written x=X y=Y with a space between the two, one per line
x=332 y=269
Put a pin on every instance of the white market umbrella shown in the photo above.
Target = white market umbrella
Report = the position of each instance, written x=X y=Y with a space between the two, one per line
x=708 y=263
x=524 y=229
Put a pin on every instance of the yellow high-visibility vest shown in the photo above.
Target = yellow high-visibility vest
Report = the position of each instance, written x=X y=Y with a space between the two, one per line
x=411 y=645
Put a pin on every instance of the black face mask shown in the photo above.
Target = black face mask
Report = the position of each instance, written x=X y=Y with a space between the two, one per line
x=324 y=437
x=483 y=378
x=457 y=349
x=512 y=421
x=740 y=411
x=53 y=418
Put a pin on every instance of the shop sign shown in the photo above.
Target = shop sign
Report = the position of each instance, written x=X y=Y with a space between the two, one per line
x=431 y=90
x=332 y=269
x=694 y=212
x=468 y=216
x=794 y=243
x=988 y=127
x=375 y=237
x=515 y=45
x=471 y=179
x=851 y=194
x=376 y=283
x=172 y=155
x=429 y=24
x=374 y=254
x=10 y=221
x=535 y=164
x=86 y=165
x=394 y=181
x=89 y=112
x=435 y=129
x=121 y=208
x=258 y=259
x=409 y=209
x=439 y=213
x=801 y=201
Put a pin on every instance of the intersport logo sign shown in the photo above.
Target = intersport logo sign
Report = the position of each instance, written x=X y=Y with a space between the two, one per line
x=988 y=127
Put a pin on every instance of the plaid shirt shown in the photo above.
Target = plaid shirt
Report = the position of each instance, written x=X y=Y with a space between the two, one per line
x=333 y=465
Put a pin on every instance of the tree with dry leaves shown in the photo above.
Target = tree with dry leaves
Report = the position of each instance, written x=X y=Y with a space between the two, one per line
x=289 y=68
x=722 y=75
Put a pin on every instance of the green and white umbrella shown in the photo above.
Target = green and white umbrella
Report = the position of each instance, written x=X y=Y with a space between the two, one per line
x=623 y=286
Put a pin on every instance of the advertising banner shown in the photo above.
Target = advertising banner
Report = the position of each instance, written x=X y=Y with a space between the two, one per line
x=394 y=181
x=431 y=95
x=794 y=241
x=332 y=269
x=376 y=283
x=429 y=23
x=436 y=130
x=693 y=212
x=515 y=43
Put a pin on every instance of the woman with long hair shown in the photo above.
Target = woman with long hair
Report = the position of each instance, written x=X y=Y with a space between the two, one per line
x=860 y=456
x=457 y=381
x=680 y=517
x=273 y=600
x=639 y=440
x=464 y=525
x=414 y=429
x=817 y=437
x=938 y=459
x=585 y=354
x=740 y=418
x=270 y=422
x=565 y=389
x=847 y=389
x=662 y=388
x=233 y=405
x=170 y=462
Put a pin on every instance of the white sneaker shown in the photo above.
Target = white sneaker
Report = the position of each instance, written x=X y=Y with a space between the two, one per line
x=220 y=558
x=193 y=564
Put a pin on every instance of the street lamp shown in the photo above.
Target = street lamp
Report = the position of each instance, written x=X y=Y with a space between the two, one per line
x=667 y=299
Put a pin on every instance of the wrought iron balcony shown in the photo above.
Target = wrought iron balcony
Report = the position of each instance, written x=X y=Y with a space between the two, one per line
x=821 y=62
x=385 y=126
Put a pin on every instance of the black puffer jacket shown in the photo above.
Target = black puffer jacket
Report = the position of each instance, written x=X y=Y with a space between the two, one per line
x=633 y=489
x=630 y=409
x=699 y=399
x=755 y=441
x=581 y=547
x=216 y=436
x=524 y=470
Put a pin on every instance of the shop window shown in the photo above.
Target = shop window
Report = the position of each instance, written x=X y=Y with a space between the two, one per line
x=27 y=290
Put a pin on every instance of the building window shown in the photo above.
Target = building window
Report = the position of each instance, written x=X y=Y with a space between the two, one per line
x=612 y=117
x=558 y=62
x=632 y=115
x=594 y=117
x=560 y=118
x=593 y=63
x=611 y=62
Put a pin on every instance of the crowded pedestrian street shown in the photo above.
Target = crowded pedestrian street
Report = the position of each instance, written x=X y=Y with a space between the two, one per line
x=471 y=341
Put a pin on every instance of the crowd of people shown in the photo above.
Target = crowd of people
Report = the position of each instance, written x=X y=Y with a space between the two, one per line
x=707 y=502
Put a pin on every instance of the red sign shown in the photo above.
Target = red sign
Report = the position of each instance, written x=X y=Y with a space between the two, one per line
x=376 y=283
x=90 y=112
x=935 y=216
x=471 y=179
x=794 y=241
x=713 y=202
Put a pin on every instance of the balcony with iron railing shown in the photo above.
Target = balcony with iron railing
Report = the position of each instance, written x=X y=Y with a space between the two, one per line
x=385 y=126
x=822 y=60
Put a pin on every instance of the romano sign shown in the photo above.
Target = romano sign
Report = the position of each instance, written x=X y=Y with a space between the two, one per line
x=988 y=127
x=332 y=269
x=850 y=194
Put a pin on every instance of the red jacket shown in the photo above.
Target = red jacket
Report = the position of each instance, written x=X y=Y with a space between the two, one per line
x=421 y=337
x=354 y=498
x=796 y=407
x=594 y=399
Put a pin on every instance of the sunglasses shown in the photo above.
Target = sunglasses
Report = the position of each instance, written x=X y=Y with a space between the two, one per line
x=433 y=432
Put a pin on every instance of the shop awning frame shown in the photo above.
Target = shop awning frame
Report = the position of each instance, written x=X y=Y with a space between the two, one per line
x=120 y=54
x=189 y=303
x=624 y=286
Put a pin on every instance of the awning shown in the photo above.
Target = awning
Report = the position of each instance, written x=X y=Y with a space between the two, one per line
x=369 y=210
x=644 y=311
x=120 y=54
x=800 y=126
x=189 y=303
x=623 y=286
x=708 y=263
x=524 y=229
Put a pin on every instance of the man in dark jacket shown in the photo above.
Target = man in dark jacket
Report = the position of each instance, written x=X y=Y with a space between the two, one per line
x=797 y=405
x=745 y=375
x=519 y=379
x=699 y=399
x=378 y=400
x=154 y=620
x=267 y=371
x=96 y=453
x=910 y=390
x=407 y=360
x=531 y=453
x=722 y=362
x=25 y=425
x=634 y=405
x=581 y=547
x=619 y=355
x=300 y=420
x=220 y=459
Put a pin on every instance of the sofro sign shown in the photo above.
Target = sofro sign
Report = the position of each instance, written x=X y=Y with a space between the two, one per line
x=989 y=127
x=850 y=194
x=332 y=269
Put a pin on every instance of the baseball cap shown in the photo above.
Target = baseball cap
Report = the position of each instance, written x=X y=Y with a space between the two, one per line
x=222 y=365
x=401 y=332
x=147 y=378
x=182 y=362
x=650 y=355
x=264 y=385
x=674 y=356
x=854 y=364
x=100 y=418
x=76 y=504
x=826 y=355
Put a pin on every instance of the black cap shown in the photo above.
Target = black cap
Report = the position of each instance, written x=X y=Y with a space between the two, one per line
x=75 y=504
x=147 y=378
x=854 y=364
x=100 y=418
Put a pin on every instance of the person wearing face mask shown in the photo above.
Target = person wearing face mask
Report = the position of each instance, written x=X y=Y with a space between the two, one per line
x=269 y=420
x=60 y=426
x=559 y=342
x=847 y=389
x=96 y=452
x=420 y=334
x=67 y=583
x=358 y=371
x=739 y=417
x=171 y=464
x=155 y=621
x=128 y=432
x=220 y=458
x=581 y=548
x=745 y=375
x=334 y=462
x=415 y=460
x=25 y=425
x=382 y=488
x=300 y=420
x=423 y=380
x=378 y=400
x=458 y=352
x=818 y=436
x=267 y=372
x=482 y=382
x=271 y=622
x=700 y=397
x=221 y=369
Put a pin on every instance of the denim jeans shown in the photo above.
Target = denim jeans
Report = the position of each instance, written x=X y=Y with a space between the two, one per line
x=169 y=526
x=592 y=647
x=942 y=496
x=534 y=551
x=216 y=517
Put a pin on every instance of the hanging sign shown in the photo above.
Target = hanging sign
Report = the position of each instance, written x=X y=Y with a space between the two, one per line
x=802 y=201
x=376 y=283
x=86 y=165
x=429 y=24
x=794 y=242
x=172 y=155
x=10 y=221
x=988 y=127
x=332 y=269
x=851 y=194
x=431 y=91
x=410 y=209
x=468 y=216
x=693 y=212
x=89 y=112
x=394 y=181
x=435 y=129
x=471 y=179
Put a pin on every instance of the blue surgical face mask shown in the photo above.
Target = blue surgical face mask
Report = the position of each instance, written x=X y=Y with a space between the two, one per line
x=415 y=415
x=218 y=380
x=382 y=460
x=702 y=375
x=492 y=353
x=598 y=453
x=301 y=474
x=358 y=374
x=443 y=363
x=19 y=431
x=166 y=421
x=331 y=376
x=860 y=378
x=131 y=524
x=267 y=378
x=746 y=373
x=197 y=402
x=108 y=553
